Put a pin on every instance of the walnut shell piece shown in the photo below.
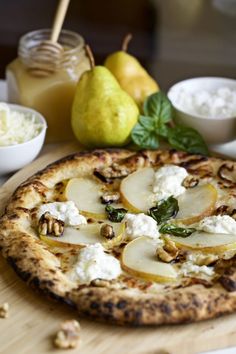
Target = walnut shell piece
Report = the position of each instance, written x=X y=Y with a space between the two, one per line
x=48 y=225
x=68 y=336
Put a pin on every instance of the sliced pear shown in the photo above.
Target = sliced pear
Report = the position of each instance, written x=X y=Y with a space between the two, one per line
x=196 y=203
x=136 y=190
x=85 y=234
x=139 y=259
x=206 y=242
x=86 y=193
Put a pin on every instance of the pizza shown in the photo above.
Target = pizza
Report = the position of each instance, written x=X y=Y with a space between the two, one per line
x=141 y=238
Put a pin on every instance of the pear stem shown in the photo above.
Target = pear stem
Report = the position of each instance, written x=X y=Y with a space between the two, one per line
x=90 y=56
x=126 y=41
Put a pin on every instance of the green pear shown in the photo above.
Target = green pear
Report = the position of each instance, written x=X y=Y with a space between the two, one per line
x=103 y=114
x=132 y=77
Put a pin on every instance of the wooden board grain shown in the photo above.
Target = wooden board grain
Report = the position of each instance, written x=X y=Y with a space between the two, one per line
x=33 y=320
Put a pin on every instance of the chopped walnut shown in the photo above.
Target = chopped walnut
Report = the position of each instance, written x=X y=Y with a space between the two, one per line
x=100 y=283
x=48 y=225
x=168 y=252
x=227 y=172
x=190 y=182
x=107 y=231
x=226 y=210
x=233 y=214
x=205 y=259
x=68 y=336
x=4 y=310
x=223 y=210
x=110 y=197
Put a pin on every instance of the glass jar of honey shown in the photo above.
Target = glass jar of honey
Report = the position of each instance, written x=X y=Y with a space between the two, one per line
x=50 y=94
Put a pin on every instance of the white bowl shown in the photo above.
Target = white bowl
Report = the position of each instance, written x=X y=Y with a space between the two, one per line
x=14 y=157
x=214 y=130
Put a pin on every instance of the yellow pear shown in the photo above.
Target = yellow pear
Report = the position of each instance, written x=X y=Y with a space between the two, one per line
x=132 y=77
x=103 y=114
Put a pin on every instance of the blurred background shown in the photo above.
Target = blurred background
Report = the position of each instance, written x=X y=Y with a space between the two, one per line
x=174 y=39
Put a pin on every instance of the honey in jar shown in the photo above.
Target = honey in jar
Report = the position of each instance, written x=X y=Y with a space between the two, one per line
x=50 y=94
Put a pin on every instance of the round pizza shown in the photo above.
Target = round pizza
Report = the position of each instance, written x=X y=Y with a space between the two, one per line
x=129 y=237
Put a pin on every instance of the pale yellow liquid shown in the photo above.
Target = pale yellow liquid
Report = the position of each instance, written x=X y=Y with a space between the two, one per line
x=52 y=96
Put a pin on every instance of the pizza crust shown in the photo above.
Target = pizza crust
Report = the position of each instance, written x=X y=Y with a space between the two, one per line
x=119 y=304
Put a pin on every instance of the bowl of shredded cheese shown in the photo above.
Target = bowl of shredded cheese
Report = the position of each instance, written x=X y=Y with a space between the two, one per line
x=22 y=134
x=207 y=104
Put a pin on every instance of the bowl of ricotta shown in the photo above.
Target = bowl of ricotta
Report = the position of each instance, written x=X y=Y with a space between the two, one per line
x=207 y=104
x=22 y=134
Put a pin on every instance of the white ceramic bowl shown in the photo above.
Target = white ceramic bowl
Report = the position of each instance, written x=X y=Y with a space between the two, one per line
x=214 y=130
x=14 y=157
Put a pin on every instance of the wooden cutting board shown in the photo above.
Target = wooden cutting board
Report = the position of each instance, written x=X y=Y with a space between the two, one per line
x=33 y=320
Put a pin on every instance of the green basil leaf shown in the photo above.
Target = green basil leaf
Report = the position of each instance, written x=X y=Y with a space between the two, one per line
x=187 y=139
x=159 y=107
x=147 y=122
x=164 y=210
x=176 y=231
x=115 y=214
x=162 y=130
x=144 y=138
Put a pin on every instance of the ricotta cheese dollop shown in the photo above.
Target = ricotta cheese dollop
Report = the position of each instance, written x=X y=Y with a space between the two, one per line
x=140 y=225
x=65 y=211
x=219 y=224
x=94 y=263
x=168 y=182
x=190 y=268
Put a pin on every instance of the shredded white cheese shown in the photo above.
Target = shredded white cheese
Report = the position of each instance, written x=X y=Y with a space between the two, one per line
x=17 y=127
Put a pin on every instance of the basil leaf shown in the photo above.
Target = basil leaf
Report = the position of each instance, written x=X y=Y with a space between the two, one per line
x=162 y=130
x=159 y=107
x=164 y=210
x=176 y=231
x=187 y=139
x=144 y=138
x=115 y=214
x=147 y=122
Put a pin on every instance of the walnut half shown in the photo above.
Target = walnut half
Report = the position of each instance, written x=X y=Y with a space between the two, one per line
x=4 y=310
x=168 y=252
x=48 y=225
x=110 y=197
x=68 y=336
